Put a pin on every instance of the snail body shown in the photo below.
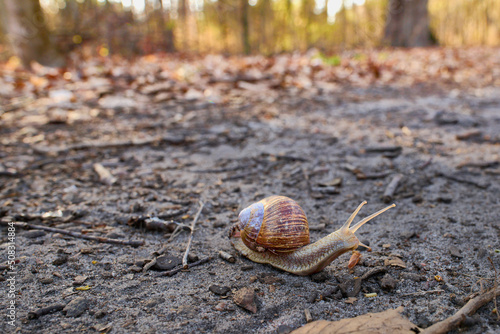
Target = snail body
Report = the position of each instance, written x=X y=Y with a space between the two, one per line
x=275 y=231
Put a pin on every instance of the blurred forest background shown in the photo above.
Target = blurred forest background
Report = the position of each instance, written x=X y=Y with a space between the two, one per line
x=40 y=29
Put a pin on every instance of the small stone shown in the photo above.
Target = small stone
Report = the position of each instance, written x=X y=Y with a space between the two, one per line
x=34 y=234
x=444 y=199
x=417 y=199
x=86 y=250
x=60 y=260
x=247 y=267
x=312 y=297
x=245 y=298
x=76 y=307
x=388 y=282
x=222 y=306
x=454 y=251
x=100 y=314
x=154 y=301
x=350 y=288
x=141 y=262
x=320 y=277
x=330 y=292
x=46 y=280
x=167 y=262
x=78 y=280
x=219 y=290
x=135 y=269
x=284 y=329
x=408 y=234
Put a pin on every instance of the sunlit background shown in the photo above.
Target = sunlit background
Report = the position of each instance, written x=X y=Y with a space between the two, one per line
x=137 y=27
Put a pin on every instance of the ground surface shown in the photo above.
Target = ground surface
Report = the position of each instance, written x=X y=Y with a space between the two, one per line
x=328 y=145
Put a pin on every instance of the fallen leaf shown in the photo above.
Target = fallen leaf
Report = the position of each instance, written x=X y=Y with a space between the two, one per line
x=389 y=321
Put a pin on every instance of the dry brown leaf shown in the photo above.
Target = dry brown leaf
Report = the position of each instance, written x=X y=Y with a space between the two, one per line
x=389 y=321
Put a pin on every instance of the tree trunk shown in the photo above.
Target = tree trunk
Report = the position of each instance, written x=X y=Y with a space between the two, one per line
x=408 y=24
x=245 y=32
x=24 y=24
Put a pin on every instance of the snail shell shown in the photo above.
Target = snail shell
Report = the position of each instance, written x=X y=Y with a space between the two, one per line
x=276 y=223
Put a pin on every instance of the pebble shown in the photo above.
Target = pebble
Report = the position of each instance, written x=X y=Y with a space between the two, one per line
x=284 y=329
x=331 y=292
x=408 y=234
x=141 y=262
x=78 y=280
x=454 y=251
x=245 y=298
x=167 y=262
x=135 y=269
x=100 y=314
x=60 y=260
x=350 y=288
x=312 y=297
x=46 y=280
x=221 y=306
x=76 y=307
x=34 y=234
x=247 y=267
x=320 y=277
x=388 y=282
x=219 y=290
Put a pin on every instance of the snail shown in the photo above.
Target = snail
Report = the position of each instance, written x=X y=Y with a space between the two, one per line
x=275 y=231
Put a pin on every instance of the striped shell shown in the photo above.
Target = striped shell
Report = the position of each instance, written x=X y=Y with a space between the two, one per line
x=276 y=223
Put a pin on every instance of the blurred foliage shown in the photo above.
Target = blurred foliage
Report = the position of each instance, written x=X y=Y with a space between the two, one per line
x=212 y=26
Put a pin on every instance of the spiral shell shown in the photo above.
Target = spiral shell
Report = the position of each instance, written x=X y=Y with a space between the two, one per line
x=276 y=223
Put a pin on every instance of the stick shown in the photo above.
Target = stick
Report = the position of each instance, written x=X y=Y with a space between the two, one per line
x=185 y=258
x=464 y=179
x=133 y=243
x=470 y=308
x=391 y=188
x=45 y=310
x=175 y=271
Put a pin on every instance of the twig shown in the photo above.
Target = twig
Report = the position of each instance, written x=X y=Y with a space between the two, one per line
x=227 y=257
x=425 y=164
x=464 y=179
x=495 y=286
x=191 y=265
x=104 y=174
x=127 y=143
x=391 y=188
x=45 y=310
x=470 y=308
x=133 y=243
x=185 y=258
